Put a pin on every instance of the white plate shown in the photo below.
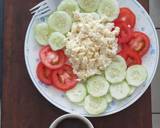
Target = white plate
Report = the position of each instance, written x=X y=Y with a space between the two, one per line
x=57 y=98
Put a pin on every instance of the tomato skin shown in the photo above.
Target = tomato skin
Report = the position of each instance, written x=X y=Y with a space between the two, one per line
x=140 y=43
x=44 y=74
x=123 y=54
x=127 y=16
x=64 y=78
x=131 y=57
x=125 y=34
x=52 y=59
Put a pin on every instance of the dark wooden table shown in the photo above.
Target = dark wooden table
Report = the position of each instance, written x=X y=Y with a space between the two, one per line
x=1 y=41
x=23 y=106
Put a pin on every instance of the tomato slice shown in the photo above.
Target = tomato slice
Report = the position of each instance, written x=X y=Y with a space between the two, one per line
x=123 y=54
x=44 y=74
x=127 y=16
x=140 y=43
x=131 y=57
x=64 y=78
x=52 y=59
x=125 y=33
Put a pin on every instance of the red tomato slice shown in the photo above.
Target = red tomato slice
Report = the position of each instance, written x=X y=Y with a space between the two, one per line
x=140 y=43
x=131 y=57
x=44 y=74
x=123 y=54
x=125 y=33
x=52 y=59
x=64 y=78
x=127 y=16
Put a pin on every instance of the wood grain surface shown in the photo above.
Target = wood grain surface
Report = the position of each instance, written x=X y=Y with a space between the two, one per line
x=1 y=43
x=23 y=106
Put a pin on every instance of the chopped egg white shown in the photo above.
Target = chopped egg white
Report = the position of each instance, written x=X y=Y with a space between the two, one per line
x=91 y=45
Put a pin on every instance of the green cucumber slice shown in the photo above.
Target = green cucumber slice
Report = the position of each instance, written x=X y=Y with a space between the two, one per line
x=114 y=73
x=56 y=41
x=109 y=98
x=41 y=33
x=97 y=86
x=77 y=94
x=60 y=21
x=95 y=105
x=119 y=91
x=69 y=6
x=109 y=9
x=132 y=90
x=89 y=5
x=80 y=103
x=136 y=75
x=121 y=61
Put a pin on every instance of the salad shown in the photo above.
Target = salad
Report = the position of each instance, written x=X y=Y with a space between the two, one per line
x=91 y=51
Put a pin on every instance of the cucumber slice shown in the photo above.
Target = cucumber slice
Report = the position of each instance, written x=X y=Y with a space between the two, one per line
x=109 y=98
x=89 y=5
x=41 y=33
x=136 y=75
x=121 y=61
x=95 y=105
x=119 y=91
x=56 y=41
x=77 y=94
x=42 y=28
x=97 y=86
x=109 y=9
x=80 y=103
x=114 y=73
x=41 y=39
x=132 y=90
x=69 y=6
x=60 y=21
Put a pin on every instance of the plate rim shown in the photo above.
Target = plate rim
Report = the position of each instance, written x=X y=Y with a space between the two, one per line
x=103 y=114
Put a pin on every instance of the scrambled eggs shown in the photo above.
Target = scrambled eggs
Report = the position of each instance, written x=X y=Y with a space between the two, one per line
x=91 y=45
